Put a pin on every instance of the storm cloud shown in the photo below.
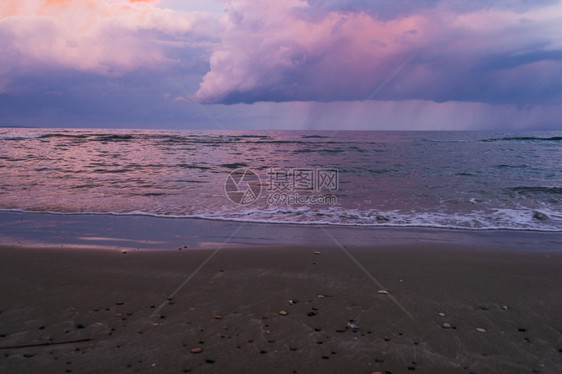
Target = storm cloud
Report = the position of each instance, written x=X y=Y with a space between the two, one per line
x=317 y=51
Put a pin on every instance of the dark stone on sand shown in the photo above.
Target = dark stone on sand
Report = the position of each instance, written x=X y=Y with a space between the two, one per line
x=210 y=361
x=41 y=327
x=411 y=368
x=263 y=352
x=325 y=357
x=311 y=314
x=80 y=326
x=28 y=355
x=119 y=303
x=522 y=329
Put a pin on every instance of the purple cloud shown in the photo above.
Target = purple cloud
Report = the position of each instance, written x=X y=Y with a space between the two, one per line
x=290 y=51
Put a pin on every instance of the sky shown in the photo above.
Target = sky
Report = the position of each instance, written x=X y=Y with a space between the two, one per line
x=291 y=64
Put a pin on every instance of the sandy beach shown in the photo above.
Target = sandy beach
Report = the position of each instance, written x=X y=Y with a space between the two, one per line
x=426 y=308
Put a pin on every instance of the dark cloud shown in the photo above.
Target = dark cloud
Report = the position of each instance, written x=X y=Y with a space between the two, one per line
x=385 y=9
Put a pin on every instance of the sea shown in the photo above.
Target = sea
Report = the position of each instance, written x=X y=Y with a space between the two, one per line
x=452 y=180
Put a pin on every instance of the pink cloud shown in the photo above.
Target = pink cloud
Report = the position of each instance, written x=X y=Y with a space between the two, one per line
x=291 y=51
x=103 y=37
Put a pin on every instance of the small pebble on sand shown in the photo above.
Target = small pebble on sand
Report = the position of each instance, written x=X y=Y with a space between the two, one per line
x=283 y=313
x=441 y=314
x=446 y=325
x=196 y=350
x=218 y=316
x=480 y=329
x=382 y=292
x=316 y=253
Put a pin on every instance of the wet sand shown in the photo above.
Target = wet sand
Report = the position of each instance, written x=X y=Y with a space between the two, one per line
x=206 y=311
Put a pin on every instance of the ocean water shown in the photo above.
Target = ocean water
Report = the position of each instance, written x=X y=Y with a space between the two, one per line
x=461 y=180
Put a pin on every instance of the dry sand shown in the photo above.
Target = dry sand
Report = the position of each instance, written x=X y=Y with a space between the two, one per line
x=88 y=311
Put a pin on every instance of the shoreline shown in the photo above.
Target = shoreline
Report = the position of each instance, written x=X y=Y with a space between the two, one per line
x=132 y=232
